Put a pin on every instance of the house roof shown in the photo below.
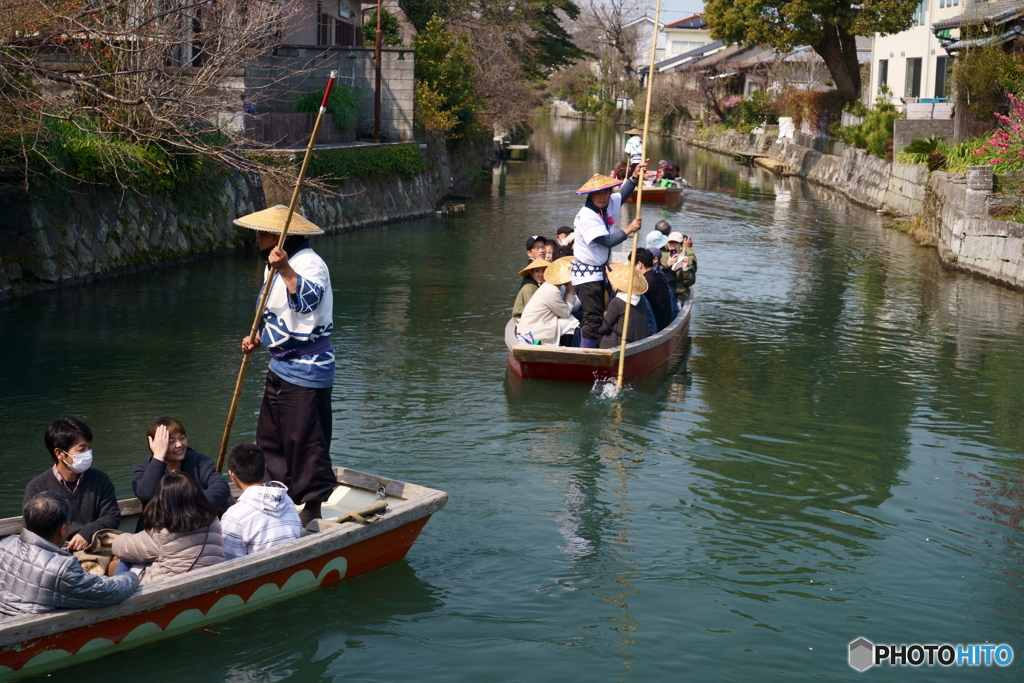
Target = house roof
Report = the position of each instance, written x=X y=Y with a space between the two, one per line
x=643 y=19
x=694 y=22
x=958 y=45
x=687 y=57
x=998 y=11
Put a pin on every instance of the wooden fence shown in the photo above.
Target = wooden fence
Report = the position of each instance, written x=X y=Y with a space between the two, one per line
x=292 y=130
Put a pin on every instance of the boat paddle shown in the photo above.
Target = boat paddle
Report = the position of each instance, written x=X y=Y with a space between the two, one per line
x=270 y=276
x=639 y=196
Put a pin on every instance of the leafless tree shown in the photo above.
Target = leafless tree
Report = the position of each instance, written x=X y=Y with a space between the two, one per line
x=130 y=76
x=802 y=70
x=604 y=28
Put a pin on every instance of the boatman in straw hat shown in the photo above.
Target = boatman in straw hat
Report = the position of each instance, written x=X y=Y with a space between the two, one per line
x=634 y=147
x=595 y=236
x=294 y=426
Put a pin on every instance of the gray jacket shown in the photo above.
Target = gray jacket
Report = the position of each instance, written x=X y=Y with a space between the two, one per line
x=36 y=576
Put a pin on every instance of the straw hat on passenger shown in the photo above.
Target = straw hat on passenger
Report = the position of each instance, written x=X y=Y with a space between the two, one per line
x=597 y=183
x=272 y=220
x=534 y=265
x=558 y=272
x=634 y=131
x=618 y=275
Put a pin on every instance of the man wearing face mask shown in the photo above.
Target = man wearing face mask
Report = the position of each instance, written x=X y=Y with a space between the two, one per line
x=89 y=491
x=294 y=426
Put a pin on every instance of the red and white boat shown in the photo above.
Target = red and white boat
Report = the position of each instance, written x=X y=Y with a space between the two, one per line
x=35 y=644
x=564 y=364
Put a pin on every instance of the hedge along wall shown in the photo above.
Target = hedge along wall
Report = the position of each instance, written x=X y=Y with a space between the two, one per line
x=372 y=184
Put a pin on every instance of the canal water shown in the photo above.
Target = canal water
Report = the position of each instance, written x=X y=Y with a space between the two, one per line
x=834 y=454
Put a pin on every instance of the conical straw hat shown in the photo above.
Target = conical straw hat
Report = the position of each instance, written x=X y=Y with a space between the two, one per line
x=272 y=220
x=534 y=265
x=634 y=131
x=618 y=275
x=558 y=272
x=597 y=183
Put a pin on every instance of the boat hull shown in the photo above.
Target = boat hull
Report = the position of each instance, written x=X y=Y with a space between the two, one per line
x=33 y=645
x=659 y=195
x=559 y=364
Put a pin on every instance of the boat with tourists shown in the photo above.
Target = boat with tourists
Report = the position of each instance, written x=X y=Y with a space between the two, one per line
x=336 y=549
x=659 y=195
x=570 y=364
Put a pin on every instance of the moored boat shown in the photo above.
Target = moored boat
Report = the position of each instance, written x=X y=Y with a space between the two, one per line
x=38 y=643
x=659 y=195
x=564 y=364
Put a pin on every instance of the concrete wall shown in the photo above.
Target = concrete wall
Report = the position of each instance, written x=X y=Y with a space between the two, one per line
x=905 y=130
x=282 y=79
x=955 y=208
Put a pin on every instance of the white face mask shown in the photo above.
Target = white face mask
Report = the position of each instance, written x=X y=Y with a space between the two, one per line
x=81 y=462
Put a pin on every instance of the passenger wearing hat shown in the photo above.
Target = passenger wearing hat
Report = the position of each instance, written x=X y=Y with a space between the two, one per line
x=619 y=276
x=681 y=261
x=548 y=315
x=535 y=247
x=294 y=426
x=595 y=236
x=533 y=277
x=564 y=235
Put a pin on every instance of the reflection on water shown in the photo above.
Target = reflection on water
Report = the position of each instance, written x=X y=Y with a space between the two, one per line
x=834 y=453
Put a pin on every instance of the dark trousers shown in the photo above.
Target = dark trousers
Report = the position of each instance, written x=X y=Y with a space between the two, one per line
x=294 y=433
x=591 y=296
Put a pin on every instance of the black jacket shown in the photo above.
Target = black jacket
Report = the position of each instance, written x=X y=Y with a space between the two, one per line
x=93 y=504
x=659 y=296
x=611 y=328
x=147 y=476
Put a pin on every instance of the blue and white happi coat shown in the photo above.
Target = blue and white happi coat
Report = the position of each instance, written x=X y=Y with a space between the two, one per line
x=591 y=257
x=635 y=149
x=291 y=321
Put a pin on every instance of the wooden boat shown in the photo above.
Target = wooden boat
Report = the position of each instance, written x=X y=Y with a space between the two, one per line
x=659 y=195
x=34 y=644
x=563 y=364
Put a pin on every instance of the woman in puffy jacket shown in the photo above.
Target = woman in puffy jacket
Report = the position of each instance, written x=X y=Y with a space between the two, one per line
x=180 y=533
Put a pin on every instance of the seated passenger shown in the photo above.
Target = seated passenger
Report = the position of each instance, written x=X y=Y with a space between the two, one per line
x=89 y=492
x=659 y=294
x=563 y=251
x=611 y=328
x=564 y=235
x=533 y=277
x=535 y=247
x=264 y=515
x=667 y=170
x=549 y=251
x=548 y=315
x=170 y=453
x=37 y=576
x=180 y=532
x=681 y=261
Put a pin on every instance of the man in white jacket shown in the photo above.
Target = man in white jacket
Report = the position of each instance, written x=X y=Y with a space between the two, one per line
x=264 y=515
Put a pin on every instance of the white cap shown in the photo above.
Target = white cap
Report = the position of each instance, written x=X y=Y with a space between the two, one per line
x=675 y=237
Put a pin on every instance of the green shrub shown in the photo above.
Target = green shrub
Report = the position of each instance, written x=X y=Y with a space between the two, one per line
x=927 y=150
x=388 y=28
x=750 y=113
x=367 y=163
x=343 y=105
x=445 y=95
x=874 y=132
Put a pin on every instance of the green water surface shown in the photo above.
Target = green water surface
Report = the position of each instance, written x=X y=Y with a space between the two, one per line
x=834 y=454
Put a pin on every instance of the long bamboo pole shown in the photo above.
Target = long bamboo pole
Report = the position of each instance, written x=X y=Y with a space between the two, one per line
x=270 y=275
x=639 y=194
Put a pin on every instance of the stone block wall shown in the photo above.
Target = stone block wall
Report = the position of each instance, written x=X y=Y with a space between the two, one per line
x=96 y=231
x=277 y=81
x=905 y=130
x=955 y=208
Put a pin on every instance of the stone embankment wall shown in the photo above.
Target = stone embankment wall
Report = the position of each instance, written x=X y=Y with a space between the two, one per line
x=955 y=208
x=59 y=238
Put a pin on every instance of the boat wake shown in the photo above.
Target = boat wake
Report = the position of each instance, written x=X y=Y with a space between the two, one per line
x=605 y=389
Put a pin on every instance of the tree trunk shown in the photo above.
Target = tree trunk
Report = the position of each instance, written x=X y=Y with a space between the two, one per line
x=839 y=50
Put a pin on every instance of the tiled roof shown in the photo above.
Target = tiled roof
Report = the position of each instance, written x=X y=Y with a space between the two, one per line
x=696 y=21
x=999 y=11
x=686 y=57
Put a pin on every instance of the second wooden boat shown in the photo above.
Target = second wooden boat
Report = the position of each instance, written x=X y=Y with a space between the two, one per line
x=38 y=643
x=659 y=195
x=563 y=364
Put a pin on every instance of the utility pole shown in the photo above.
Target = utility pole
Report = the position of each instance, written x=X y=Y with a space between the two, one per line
x=376 y=90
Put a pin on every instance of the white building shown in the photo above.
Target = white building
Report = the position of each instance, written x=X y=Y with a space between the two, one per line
x=685 y=35
x=644 y=28
x=912 y=63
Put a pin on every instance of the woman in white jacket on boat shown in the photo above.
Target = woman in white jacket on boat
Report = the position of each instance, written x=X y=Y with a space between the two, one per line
x=548 y=314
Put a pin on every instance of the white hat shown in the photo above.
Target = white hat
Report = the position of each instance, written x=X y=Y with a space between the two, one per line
x=656 y=240
x=675 y=237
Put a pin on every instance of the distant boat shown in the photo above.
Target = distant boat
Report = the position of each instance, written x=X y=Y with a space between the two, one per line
x=565 y=364
x=659 y=195
x=37 y=643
